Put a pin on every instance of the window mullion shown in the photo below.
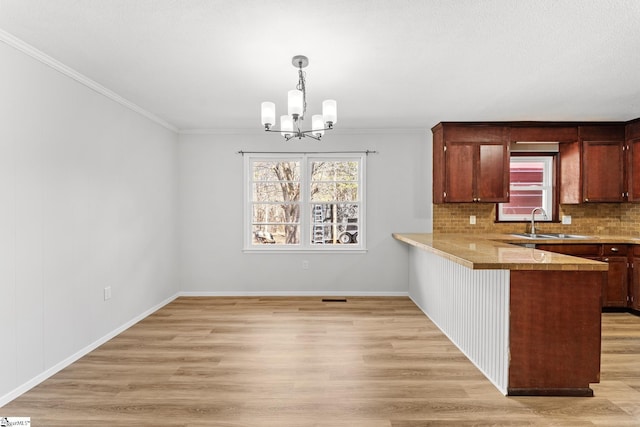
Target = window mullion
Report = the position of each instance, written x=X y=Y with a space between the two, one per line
x=305 y=184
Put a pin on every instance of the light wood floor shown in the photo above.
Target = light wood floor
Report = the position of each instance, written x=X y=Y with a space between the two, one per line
x=374 y=362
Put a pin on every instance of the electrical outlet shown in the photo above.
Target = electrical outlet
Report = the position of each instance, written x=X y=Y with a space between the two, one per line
x=107 y=293
x=305 y=265
x=472 y=219
x=566 y=219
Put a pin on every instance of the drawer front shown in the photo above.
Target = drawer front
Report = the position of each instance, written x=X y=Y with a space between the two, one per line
x=578 y=250
x=614 y=249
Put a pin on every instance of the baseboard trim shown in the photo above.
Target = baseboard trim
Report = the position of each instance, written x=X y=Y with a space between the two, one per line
x=80 y=353
x=290 y=294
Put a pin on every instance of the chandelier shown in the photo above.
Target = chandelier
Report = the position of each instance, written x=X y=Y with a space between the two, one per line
x=290 y=124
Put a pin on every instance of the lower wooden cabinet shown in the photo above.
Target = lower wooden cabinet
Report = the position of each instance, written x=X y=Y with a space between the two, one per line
x=634 y=283
x=620 y=284
x=616 y=291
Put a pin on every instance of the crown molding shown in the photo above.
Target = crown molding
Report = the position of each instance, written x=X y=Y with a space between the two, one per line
x=221 y=131
x=26 y=48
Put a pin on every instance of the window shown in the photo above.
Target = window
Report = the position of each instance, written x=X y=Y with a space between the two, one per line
x=531 y=186
x=304 y=202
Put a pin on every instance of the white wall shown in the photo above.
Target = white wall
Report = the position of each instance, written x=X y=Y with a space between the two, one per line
x=210 y=219
x=87 y=200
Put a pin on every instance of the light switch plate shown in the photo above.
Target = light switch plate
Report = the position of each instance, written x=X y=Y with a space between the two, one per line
x=472 y=219
x=566 y=219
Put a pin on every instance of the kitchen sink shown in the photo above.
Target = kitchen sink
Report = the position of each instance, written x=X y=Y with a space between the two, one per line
x=565 y=236
x=550 y=236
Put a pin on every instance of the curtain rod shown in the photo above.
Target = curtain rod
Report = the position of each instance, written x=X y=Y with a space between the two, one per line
x=367 y=152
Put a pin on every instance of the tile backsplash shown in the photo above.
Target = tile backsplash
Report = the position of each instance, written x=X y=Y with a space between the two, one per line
x=588 y=218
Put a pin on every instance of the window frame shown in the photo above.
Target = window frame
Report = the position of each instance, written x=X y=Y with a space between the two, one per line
x=552 y=214
x=305 y=222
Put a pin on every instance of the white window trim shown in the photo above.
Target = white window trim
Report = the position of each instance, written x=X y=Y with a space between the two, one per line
x=305 y=245
x=547 y=196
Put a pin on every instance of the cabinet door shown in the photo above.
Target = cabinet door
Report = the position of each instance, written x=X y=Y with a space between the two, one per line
x=603 y=171
x=492 y=183
x=581 y=250
x=470 y=163
x=476 y=172
x=634 y=294
x=570 y=182
x=616 y=290
x=633 y=170
x=460 y=158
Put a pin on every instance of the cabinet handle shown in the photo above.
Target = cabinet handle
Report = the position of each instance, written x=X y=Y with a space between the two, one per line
x=606 y=260
x=478 y=199
x=614 y=249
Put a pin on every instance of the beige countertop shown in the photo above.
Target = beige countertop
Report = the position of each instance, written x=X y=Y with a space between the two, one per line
x=498 y=251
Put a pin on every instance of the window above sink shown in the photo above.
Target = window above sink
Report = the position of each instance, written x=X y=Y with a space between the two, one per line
x=532 y=185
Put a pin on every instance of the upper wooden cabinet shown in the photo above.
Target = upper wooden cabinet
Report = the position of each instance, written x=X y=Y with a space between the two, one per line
x=592 y=169
x=543 y=132
x=633 y=160
x=603 y=150
x=599 y=161
x=470 y=163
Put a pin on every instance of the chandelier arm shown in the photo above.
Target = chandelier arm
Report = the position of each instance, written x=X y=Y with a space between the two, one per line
x=306 y=135
x=303 y=132
x=298 y=131
x=311 y=131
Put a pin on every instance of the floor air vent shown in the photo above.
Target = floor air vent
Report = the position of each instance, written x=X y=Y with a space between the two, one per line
x=334 y=300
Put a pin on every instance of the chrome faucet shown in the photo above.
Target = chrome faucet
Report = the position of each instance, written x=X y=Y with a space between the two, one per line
x=533 y=218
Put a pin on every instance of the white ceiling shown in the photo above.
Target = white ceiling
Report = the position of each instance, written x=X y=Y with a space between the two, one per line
x=207 y=64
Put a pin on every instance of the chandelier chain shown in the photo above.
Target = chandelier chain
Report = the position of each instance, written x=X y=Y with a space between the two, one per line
x=302 y=77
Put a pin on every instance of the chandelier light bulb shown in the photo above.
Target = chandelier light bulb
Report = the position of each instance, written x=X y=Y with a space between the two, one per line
x=330 y=111
x=317 y=125
x=268 y=114
x=296 y=104
x=286 y=126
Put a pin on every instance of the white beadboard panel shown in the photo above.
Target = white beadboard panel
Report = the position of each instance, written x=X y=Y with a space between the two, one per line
x=470 y=306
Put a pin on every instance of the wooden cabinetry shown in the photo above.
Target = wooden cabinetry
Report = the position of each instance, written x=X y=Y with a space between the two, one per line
x=634 y=283
x=544 y=132
x=599 y=161
x=615 y=292
x=470 y=163
x=588 y=250
x=603 y=150
x=633 y=160
x=592 y=169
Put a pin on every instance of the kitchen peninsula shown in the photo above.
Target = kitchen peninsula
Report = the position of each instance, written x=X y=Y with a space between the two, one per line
x=528 y=319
